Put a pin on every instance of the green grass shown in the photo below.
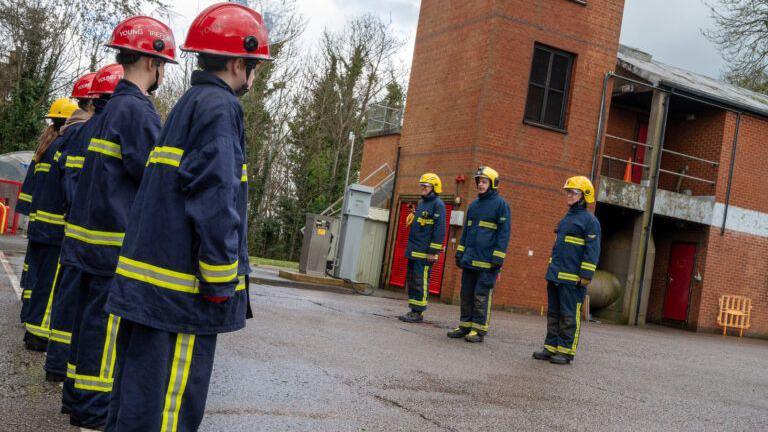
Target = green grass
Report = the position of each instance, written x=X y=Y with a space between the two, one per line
x=274 y=263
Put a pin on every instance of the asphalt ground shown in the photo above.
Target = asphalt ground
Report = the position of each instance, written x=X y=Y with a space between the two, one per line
x=327 y=361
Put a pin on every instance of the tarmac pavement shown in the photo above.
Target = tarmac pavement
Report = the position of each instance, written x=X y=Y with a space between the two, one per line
x=328 y=361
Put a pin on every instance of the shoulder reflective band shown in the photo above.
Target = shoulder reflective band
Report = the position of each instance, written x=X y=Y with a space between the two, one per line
x=166 y=155
x=42 y=167
x=105 y=147
x=487 y=224
x=56 y=156
x=218 y=273
x=50 y=218
x=244 y=175
x=25 y=197
x=568 y=277
x=74 y=162
x=481 y=264
x=460 y=248
x=103 y=238
x=588 y=266
x=499 y=254
x=574 y=240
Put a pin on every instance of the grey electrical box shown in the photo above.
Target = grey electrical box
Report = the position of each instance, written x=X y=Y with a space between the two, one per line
x=357 y=202
x=316 y=246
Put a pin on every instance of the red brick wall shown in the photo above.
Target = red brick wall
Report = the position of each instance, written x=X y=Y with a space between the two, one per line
x=466 y=100
x=378 y=150
x=623 y=123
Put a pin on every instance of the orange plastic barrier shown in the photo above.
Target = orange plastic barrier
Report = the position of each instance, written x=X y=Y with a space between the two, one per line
x=734 y=313
x=3 y=218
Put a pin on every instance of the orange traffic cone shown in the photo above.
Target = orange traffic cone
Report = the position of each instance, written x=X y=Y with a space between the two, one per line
x=628 y=171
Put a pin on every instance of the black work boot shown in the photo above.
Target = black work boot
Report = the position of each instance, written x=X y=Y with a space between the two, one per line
x=474 y=337
x=561 y=359
x=544 y=354
x=458 y=332
x=412 y=317
x=35 y=343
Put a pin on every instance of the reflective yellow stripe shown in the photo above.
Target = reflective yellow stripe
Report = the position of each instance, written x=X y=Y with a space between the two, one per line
x=32 y=217
x=565 y=350
x=43 y=167
x=165 y=155
x=484 y=327
x=182 y=360
x=424 y=221
x=465 y=324
x=550 y=260
x=218 y=273
x=46 y=323
x=56 y=156
x=25 y=197
x=61 y=336
x=74 y=162
x=104 y=238
x=105 y=147
x=424 y=289
x=588 y=266
x=460 y=248
x=488 y=224
x=550 y=348
x=481 y=264
x=157 y=276
x=499 y=254
x=436 y=246
x=92 y=383
x=240 y=283
x=244 y=175
x=50 y=218
x=418 y=254
x=574 y=240
x=469 y=223
x=568 y=276
x=38 y=331
x=71 y=371
x=578 y=328
x=108 y=355
x=26 y=267
x=26 y=294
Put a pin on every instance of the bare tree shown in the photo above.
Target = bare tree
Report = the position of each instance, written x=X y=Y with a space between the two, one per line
x=741 y=34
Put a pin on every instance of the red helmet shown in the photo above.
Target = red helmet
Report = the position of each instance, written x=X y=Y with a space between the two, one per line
x=230 y=30
x=106 y=80
x=83 y=86
x=144 y=35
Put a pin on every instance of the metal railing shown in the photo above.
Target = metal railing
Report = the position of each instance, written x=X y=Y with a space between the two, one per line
x=383 y=119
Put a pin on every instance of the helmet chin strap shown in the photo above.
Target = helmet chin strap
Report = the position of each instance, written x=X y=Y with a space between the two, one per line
x=249 y=67
x=156 y=84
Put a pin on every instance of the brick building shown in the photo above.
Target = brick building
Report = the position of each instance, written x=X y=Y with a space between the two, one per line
x=523 y=86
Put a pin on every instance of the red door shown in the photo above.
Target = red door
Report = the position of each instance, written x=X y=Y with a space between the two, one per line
x=681 y=259
x=639 y=156
x=400 y=262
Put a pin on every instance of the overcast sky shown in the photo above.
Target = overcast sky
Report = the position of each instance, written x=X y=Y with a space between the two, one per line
x=670 y=30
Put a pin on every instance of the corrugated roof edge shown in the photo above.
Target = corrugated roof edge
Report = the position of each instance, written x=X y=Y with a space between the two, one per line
x=657 y=73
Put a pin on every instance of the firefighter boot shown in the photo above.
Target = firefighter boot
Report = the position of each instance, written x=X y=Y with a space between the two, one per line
x=35 y=343
x=544 y=354
x=458 y=332
x=561 y=359
x=474 y=337
x=412 y=317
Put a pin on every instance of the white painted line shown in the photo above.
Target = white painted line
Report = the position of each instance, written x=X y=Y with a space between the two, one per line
x=11 y=275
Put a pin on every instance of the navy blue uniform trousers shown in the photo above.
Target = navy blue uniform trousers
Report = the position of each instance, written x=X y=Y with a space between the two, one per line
x=43 y=264
x=169 y=375
x=563 y=317
x=417 y=278
x=91 y=365
x=62 y=319
x=476 y=297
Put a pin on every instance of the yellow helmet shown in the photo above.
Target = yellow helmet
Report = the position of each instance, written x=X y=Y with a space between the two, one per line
x=434 y=180
x=62 y=108
x=489 y=173
x=584 y=185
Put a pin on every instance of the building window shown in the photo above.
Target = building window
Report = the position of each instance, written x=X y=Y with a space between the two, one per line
x=548 y=87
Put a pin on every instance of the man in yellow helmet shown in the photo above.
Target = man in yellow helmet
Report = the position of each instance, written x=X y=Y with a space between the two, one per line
x=571 y=267
x=425 y=242
x=480 y=253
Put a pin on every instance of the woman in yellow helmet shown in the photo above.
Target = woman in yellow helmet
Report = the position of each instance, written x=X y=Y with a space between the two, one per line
x=425 y=243
x=571 y=268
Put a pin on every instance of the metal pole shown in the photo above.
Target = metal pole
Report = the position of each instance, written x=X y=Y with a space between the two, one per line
x=730 y=172
x=648 y=215
x=393 y=213
x=349 y=161
x=600 y=121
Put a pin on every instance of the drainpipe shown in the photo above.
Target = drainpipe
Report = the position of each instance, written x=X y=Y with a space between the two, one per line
x=730 y=173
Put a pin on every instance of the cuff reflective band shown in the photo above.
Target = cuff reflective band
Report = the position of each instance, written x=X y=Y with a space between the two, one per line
x=499 y=254
x=218 y=273
x=588 y=266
